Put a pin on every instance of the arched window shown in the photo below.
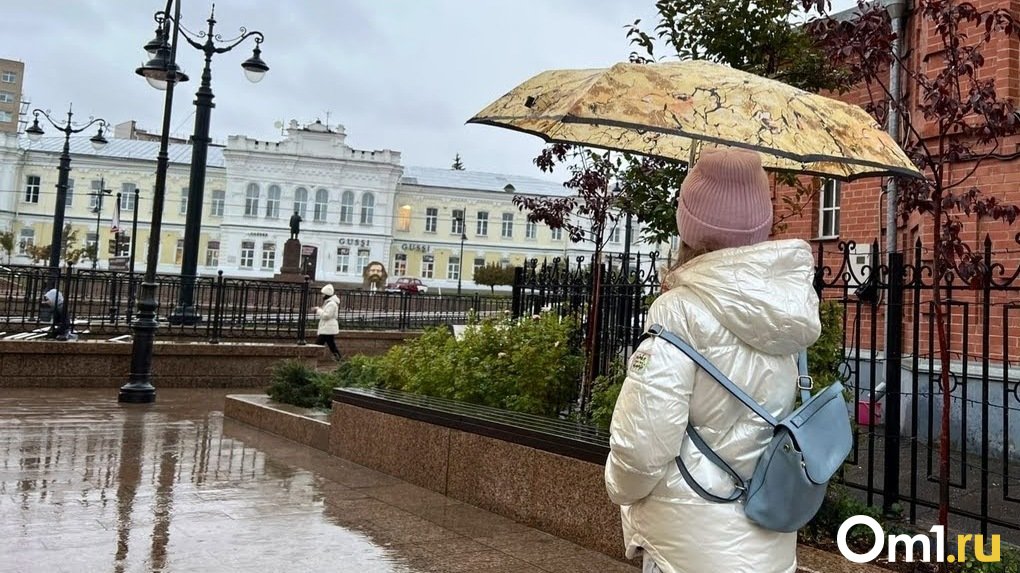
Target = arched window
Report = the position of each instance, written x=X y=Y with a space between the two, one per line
x=367 y=208
x=251 y=201
x=321 y=198
x=273 y=202
x=347 y=207
x=301 y=201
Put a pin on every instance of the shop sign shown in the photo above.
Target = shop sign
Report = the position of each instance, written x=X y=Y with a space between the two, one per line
x=419 y=247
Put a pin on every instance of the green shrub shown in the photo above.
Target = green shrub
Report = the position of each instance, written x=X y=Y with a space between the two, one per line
x=295 y=383
x=826 y=354
x=604 y=393
x=358 y=371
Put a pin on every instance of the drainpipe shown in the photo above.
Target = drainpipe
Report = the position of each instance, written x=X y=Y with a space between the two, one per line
x=894 y=297
x=896 y=10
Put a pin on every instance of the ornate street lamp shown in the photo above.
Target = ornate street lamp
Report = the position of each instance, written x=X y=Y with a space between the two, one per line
x=35 y=132
x=254 y=69
x=139 y=388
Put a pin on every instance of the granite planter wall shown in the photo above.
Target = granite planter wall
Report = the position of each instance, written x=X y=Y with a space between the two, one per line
x=52 y=364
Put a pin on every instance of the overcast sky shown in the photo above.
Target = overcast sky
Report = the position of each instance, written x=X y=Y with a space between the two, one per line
x=398 y=74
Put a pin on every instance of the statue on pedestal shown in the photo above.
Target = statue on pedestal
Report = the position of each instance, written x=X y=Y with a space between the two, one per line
x=295 y=225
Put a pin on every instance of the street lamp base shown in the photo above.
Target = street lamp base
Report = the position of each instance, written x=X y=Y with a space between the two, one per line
x=137 y=394
x=184 y=315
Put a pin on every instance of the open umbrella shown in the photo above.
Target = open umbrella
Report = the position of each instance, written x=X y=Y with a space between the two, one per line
x=669 y=109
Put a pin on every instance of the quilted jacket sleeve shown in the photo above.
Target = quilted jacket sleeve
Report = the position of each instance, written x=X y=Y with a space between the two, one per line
x=649 y=420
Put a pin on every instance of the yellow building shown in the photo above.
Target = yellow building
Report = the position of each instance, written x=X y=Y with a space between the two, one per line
x=121 y=167
x=436 y=208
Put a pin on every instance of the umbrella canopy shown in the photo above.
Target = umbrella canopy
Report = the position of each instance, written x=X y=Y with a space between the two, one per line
x=666 y=109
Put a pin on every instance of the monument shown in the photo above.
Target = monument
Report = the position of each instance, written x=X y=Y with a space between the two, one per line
x=291 y=271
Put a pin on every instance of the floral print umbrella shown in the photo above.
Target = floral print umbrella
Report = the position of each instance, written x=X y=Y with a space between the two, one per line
x=670 y=109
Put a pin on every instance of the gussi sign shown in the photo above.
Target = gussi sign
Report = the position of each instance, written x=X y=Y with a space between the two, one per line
x=418 y=247
x=912 y=545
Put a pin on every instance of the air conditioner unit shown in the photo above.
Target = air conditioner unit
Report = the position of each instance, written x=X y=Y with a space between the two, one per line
x=859 y=265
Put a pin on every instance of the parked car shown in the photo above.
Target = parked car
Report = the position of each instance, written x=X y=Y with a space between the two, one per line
x=408 y=285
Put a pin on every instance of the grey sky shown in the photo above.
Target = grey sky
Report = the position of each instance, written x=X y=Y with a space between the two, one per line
x=398 y=74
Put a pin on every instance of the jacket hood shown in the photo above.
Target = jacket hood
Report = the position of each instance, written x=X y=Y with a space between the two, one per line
x=762 y=293
x=52 y=296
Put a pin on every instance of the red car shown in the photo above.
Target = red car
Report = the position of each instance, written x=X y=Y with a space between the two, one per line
x=408 y=285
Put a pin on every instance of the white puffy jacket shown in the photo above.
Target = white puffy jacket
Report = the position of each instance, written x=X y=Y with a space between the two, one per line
x=327 y=315
x=748 y=310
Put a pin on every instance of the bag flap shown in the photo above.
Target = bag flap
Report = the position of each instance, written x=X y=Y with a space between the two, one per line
x=821 y=430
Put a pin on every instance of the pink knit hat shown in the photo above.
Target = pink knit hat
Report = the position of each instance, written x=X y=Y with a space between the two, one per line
x=725 y=200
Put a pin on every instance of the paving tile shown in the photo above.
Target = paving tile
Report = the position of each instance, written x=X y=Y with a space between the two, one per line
x=87 y=484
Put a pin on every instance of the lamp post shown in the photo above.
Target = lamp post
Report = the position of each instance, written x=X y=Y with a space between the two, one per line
x=35 y=132
x=98 y=194
x=254 y=69
x=463 y=237
x=161 y=72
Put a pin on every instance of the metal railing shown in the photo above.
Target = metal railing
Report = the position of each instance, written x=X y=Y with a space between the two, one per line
x=102 y=303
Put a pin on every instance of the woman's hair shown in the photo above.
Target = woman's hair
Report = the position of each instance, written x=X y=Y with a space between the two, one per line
x=686 y=255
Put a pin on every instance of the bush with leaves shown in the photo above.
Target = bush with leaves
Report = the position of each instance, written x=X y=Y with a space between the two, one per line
x=493 y=275
x=604 y=393
x=294 y=382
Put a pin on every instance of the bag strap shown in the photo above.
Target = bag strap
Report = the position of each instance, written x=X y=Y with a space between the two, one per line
x=659 y=331
x=699 y=442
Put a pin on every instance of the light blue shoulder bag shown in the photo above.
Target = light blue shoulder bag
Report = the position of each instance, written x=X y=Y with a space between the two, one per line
x=807 y=448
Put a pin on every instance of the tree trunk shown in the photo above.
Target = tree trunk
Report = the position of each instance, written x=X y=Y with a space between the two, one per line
x=589 y=341
x=943 y=340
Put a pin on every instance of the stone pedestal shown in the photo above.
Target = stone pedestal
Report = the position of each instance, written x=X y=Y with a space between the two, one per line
x=290 y=271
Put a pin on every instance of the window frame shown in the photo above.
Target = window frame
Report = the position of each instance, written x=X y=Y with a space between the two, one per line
x=827 y=193
x=251 y=200
x=320 y=208
x=247 y=248
x=367 y=209
x=274 y=195
x=482 y=224
x=431 y=219
x=347 y=207
x=268 y=256
x=31 y=194
x=343 y=254
x=217 y=203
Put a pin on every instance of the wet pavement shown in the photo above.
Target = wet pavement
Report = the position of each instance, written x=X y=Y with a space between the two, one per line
x=87 y=484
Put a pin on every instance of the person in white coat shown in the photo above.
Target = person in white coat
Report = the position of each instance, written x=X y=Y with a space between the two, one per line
x=748 y=305
x=329 y=326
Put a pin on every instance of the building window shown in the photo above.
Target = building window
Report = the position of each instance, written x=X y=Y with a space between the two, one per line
x=247 y=254
x=212 y=254
x=268 y=256
x=404 y=219
x=557 y=234
x=828 y=221
x=347 y=207
x=363 y=255
x=123 y=248
x=400 y=264
x=614 y=235
x=184 y=201
x=251 y=202
x=6 y=116
x=321 y=199
x=453 y=268
x=179 y=252
x=95 y=196
x=127 y=196
x=301 y=202
x=69 y=196
x=32 y=189
x=91 y=242
x=9 y=77
x=219 y=198
x=431 y=217
x=26 y=240
x=530 y=230
x=343 y=260
x=367 y=208
x=273 y=202
x=482 y=225
x=479 y=264
x=428 y=267
x=457 y=223
x=6 y=97
x=507 y=231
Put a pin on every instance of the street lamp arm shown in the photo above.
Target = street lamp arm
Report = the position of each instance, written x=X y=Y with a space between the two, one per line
x=68 y=127
x=245 y=34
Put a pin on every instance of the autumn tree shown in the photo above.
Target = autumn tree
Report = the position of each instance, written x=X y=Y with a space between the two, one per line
x=7 y=244
x=958 y=119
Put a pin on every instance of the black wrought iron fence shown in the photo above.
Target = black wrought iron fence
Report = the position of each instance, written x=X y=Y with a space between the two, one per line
x=891 y=364
x=626 y=285
x=102 y=303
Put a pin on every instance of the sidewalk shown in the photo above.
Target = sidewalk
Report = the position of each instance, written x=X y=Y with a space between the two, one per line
x=89 y=485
